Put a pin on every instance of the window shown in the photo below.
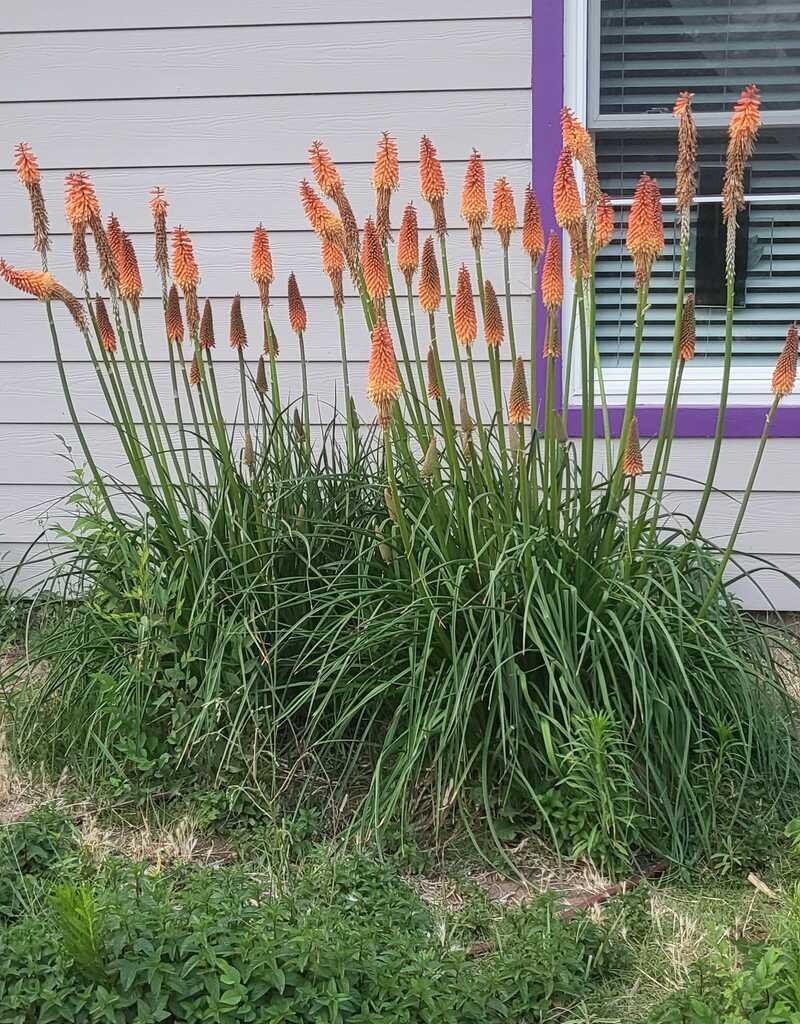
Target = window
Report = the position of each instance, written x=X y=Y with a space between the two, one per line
x=639 y=54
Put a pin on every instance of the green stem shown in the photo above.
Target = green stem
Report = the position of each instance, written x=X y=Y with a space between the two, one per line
x=448 y=293
x=509 y=315
x=712 y=590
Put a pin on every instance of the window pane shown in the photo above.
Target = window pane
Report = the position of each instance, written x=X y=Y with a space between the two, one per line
x=770 y=289
x=651 y=49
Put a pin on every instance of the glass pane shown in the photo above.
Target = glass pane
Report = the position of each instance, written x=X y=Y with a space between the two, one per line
x=651 y=49
x=770 y=288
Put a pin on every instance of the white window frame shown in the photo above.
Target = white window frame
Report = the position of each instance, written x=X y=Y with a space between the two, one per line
x=749 y=385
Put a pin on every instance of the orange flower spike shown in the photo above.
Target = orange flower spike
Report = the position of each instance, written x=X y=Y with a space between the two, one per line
x=174 y=317
x=383 y=382
x=80 y=199
x=532 y=230
x=474 y=208
x=408 y=243
x=33 y=282
x=688 y=338
x=431 y=183
x=492 y=317
x=206 y=336
x=324 y=169
x=386 y=172
x=385 y=180
x=575 y=138
x=464 y=316
x=261 y=257
x=195 y=373
x=645 y=238
x=632 y=461
x=742 y=133
x=566 y=197
x=238 y=334
x=519 y=406
x=130 y=280
x=430 y=285
x=372 y=262
x=552 y=274
x=504 y=212
x=184 y=266
x=322 y=220
x=784 y=376
x=297 y=311
x=107 y=337
x=26 y=164
x=604 y=222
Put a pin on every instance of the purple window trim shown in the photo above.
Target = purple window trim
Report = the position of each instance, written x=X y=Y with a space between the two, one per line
x=547 y=87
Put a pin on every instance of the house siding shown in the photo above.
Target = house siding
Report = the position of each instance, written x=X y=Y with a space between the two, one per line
x=218 y=103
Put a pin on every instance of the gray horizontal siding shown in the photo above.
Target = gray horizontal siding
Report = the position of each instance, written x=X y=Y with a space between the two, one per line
x=52 y=15
x=266 y=61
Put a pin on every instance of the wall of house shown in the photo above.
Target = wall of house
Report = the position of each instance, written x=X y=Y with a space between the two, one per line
x=218 y=103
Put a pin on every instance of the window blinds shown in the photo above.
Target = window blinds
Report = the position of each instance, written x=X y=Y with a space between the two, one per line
x=772 y=286
x=649 y=49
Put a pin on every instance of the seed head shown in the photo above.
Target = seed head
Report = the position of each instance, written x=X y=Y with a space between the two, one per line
x=686 y=165
x=408 y=243
x=158 y=206
x=80 y=199
x=383 y=382
x=464 y=317
x=238 y=335
x=784 y=376
x=552 y=274
x=566 y=197
x=107 y=337
x=206 y=336
x=80 y=253
x=196 y=371
x=430 y=463
x=532 y=230
x=324 y=169
x=297 y=311
x=492 y=317
x=261 y=376
x=603 y=222
x=174 y=316
x=645 y=239
x=688 y=339
x=504 y=212
x=114 y=233
x=372 y=262
x=632 y=461
x=474 y=208
x=434 y=391
x=552 y=339
x=430 y=286
x=431 y=183
x=519 y=405
x=333 y=264
x=27 y=165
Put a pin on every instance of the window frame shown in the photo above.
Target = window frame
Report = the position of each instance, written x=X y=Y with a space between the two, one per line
x=577 y=22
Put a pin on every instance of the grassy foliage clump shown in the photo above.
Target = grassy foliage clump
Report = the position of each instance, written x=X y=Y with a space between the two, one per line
x=464 y=610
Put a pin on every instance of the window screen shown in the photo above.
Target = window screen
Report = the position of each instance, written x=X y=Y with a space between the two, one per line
x=648 y=52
